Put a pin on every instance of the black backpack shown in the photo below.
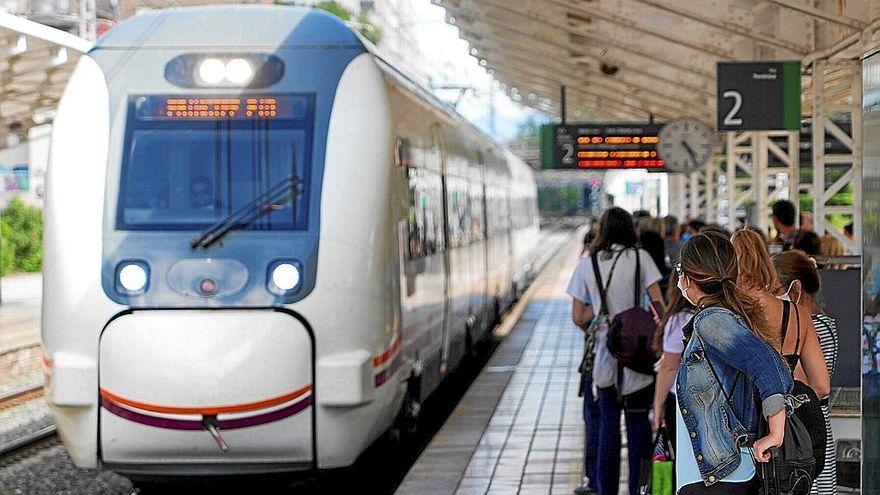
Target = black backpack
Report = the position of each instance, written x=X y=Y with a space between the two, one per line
x=791 y=468
x=631 y=332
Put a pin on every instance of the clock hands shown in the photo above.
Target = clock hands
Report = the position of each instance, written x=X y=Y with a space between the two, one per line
x=690 y=152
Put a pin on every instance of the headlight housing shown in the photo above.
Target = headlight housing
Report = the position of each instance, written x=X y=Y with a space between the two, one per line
x=284 y=277
x=132 y=277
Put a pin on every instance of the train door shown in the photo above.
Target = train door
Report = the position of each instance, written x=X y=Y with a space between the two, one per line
x=479 y=255
x=437 y=143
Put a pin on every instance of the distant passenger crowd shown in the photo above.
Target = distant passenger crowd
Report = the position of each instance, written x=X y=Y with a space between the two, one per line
x=713 y=347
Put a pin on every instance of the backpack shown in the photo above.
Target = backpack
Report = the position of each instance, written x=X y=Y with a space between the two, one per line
x=791 y=468
x=631 y=332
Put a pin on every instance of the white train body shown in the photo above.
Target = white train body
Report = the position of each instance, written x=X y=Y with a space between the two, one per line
x=408 y=232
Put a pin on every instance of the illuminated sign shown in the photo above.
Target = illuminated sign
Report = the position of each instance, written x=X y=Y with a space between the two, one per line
x=220 y=108
x=600 y=146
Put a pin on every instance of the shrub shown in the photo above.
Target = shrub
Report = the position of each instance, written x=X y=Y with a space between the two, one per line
x=21 y=228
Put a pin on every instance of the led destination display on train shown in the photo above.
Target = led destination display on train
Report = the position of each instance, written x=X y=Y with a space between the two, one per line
x=602 y=146
x=213 y=108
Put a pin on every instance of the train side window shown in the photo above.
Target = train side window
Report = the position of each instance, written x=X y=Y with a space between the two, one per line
x=425 y=216
x=402 y=154
x=477 y=214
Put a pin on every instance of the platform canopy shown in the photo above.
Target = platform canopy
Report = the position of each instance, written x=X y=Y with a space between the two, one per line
x=35 y=63
x=627 y=59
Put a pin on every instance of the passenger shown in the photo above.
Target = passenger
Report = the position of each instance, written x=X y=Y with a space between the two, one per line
x=652 y=242
x=783 y=222
x=800 y=346
x=806 y=221
x=615 y=250
x=728 y=323
x=799 y=272
x=714 y=227
x=831 y=247
x=673 y=244
x=669 y=341
x=691 y=228
x=808 y=242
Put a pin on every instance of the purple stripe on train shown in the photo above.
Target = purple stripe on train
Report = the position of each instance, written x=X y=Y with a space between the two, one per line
x=385 y=374
x=194 y=425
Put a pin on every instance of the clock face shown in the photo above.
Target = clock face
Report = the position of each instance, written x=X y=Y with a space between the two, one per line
x=686 y=145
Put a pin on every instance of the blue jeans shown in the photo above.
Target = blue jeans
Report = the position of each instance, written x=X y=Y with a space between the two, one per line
x=638 y=436
x=591 y=442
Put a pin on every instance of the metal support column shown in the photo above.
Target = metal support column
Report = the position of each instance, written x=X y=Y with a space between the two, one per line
x=844 y=168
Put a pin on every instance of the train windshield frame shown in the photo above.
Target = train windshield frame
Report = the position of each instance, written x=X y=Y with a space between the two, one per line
x=190 y=162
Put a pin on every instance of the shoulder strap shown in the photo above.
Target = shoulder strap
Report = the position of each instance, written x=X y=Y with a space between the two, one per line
x=598 y=274
x=714 y=373
x=638 y=280
x=797 y=342
x=786 y=312
x=604 y=310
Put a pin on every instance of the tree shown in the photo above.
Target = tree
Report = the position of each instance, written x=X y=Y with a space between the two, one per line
x=363 y=24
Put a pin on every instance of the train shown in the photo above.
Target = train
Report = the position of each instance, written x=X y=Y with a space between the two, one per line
x=264 y=244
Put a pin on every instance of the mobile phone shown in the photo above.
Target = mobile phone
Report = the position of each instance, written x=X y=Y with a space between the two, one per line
x=657 y=309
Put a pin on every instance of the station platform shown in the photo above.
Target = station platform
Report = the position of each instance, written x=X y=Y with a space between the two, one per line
x=519 y=428
x=20 y=349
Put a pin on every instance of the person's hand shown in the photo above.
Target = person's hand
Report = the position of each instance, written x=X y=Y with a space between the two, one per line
x=763 y=445
x=658 y=419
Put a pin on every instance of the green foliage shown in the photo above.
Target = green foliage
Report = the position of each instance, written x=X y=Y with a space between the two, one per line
x=367 y=29
x=558 y=200
x=335 y=9
x=21 y=229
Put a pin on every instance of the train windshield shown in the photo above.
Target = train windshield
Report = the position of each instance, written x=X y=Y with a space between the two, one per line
x=189 y=162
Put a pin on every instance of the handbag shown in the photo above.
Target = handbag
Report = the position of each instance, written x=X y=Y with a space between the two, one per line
x=631 y=332
x=656 y=473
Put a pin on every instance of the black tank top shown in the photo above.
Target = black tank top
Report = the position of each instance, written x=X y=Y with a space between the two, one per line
x=791 y=359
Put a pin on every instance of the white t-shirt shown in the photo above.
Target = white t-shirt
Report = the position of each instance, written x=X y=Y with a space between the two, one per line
x=673 y=337
x=620 y=297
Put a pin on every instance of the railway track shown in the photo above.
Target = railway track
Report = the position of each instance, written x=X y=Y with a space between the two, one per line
x=16 y=397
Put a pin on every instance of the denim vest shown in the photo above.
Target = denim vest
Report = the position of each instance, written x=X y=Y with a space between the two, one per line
x=751 y=372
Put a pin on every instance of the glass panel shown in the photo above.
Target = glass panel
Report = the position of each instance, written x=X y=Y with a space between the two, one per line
x=186 y=174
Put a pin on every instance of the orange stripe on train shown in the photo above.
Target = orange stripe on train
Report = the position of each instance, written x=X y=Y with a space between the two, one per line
x=385 y=356
x=207 y=411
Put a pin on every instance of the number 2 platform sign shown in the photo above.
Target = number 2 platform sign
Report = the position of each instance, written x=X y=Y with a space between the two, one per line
x=759 y=96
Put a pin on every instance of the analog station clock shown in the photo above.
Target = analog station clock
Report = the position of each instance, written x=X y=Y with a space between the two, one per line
x=685 y=145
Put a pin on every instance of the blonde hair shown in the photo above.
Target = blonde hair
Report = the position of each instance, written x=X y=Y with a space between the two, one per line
x=831 y=246
x=756 y=271
x=710 y=261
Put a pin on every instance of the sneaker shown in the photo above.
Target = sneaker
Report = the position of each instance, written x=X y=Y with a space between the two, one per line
x=585 y=490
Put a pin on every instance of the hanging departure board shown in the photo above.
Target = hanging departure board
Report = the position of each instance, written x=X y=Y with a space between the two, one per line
x=600 y=146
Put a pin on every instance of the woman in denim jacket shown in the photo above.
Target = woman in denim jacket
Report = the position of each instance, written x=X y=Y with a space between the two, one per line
x=728 y=341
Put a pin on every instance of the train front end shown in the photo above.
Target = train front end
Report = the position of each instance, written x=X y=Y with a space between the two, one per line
x=182 y=230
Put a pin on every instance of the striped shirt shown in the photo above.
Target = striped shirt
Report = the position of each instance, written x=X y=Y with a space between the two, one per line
x=826 y=330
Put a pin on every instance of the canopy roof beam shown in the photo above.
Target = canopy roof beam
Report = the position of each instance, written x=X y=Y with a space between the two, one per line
x=588 y=36
x=628 y=24
x=849 y=22
x=661 y=89
x=730 y=27
x=532 y=38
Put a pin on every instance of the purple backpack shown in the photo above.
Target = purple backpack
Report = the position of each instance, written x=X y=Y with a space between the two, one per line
x=631 y=332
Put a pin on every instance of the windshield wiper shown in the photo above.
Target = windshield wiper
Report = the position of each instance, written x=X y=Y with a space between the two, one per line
x=266 y=201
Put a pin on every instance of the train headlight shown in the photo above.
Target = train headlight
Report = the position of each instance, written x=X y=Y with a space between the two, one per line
x=212 y=71
x=285 y=277
x=239 y=71
x=224 y=70
x=132 y=277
